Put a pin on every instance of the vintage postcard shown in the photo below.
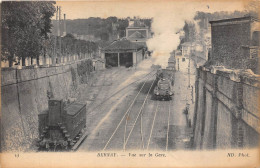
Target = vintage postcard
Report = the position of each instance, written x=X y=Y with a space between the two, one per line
x=130 y=83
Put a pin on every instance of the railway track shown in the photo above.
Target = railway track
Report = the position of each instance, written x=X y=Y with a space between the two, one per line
x=159 y=122
x=151 y=132
x=168 y=125
x=137 y=127
x=107 y=82
x=129 y=112
x=121 y=91
x=139 y=115
x=134 y=116
x=135 y=112
x=133 y=129
x=136 y=82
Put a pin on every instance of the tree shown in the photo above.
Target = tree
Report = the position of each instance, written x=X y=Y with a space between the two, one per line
x=123 y=24
x=25 y=27
x=112 y=19
x=253 y=7
x=190 y=32
x=47 y=10
x=100 y=28
x=67 y=44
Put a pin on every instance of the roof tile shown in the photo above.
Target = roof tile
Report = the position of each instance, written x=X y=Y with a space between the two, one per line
x=122 y=44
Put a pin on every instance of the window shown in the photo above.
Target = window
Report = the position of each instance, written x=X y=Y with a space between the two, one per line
x=255 y=38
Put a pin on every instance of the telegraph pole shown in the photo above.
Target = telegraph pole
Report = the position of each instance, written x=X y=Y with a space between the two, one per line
x=64 y=34
x=59 y=35
x=196 y=58
x=178 y=60
x=64 y=25
x=189 y=66
x=55 y=40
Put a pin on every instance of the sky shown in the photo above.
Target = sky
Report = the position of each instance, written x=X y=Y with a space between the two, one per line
x=169 y=17
x=143 y=8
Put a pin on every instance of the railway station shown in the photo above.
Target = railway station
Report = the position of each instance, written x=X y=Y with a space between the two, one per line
x=156 y=84
x=123 y=52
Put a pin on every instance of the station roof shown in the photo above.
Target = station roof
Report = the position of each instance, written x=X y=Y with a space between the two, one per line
x=141 y=43
x=245 y=18
x=122 y=45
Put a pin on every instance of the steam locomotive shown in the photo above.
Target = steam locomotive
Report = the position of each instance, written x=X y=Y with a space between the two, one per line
x=165 y=80
x=61 y=126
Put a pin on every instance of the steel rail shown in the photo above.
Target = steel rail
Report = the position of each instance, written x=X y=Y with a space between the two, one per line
x=168 y=126
x=138 y=114
x=107 y=98
x=127 y=112
x=151 y=132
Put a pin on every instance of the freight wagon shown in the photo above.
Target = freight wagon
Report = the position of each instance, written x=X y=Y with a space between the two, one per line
x=60 y=127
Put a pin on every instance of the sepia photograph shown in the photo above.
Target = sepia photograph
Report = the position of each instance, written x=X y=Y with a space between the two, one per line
x=113 y=83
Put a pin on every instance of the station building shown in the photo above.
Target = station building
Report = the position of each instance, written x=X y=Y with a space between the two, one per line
x=122 y=52
x=137 y=32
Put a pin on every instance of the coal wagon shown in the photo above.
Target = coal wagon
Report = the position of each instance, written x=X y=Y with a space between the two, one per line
x=60 y=127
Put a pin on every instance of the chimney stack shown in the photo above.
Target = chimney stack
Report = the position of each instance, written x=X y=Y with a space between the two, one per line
x=58 y=18
x=64 y=32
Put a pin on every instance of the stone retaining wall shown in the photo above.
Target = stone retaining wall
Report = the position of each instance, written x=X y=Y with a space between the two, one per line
x=226 y=110
x=25 y=93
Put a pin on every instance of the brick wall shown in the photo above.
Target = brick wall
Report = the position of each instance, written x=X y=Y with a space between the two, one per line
x=227 y=42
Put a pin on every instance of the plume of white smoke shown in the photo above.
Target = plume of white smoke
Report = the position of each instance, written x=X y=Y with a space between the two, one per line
x=166 y=27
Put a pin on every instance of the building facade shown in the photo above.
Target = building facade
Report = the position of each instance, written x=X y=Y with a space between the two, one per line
x=196 y=50
x=235 y=43
x=186 y=48
x=137 y=32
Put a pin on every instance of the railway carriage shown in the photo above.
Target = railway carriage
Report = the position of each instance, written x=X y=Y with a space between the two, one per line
x=61 y=126
x=171 y=62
